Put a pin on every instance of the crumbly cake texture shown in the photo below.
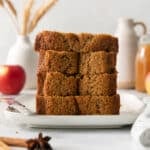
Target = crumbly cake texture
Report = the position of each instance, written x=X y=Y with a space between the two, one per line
x=73 y=63
x=83 y=42
x=92 y=105
x=56 y=105
x=58 y=84
x=97 y=62
x=78 y=105
x=59 y=61
x=76 y=74
x=98 y=85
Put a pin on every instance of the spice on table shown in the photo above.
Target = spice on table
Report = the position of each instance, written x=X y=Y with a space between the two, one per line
x=4 y=146
x=40 y=143
x=18 y=142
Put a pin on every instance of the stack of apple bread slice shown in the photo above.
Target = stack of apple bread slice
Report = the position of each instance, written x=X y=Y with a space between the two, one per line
x=76 y=74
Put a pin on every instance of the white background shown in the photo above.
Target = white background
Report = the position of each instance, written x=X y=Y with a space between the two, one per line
x=77 y=16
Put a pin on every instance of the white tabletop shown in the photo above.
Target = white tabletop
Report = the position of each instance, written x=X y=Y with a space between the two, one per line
x=75 y=139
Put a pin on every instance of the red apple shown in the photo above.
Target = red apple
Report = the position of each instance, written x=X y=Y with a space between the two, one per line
x=12 y=79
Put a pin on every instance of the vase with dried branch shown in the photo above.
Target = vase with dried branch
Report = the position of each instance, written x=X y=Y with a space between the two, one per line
x=22 y=53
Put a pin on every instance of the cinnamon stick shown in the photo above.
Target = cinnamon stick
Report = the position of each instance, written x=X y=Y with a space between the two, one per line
x=14 y=141
x=41 y=142
x=3 y=146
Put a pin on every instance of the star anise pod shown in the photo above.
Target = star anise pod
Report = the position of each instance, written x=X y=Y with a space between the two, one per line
x=40 y=143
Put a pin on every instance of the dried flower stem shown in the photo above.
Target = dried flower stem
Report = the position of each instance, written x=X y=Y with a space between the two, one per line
x=1 y=2
x=40 y=13
x=3 y=146
x=11 y=7
x=26 y=16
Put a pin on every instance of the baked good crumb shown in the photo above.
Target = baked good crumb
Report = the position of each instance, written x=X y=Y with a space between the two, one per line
x=98 y=85
x=78 y=105
x=97 y=62
x=56 y=105
x=84 y=42
x=60 y=61
x=76 y=74
x=58 y=84
x=100 y=105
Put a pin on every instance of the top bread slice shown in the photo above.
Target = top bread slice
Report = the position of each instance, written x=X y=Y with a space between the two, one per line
x=82 y=43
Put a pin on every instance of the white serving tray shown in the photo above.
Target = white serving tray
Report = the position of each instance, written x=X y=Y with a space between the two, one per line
x=131 y=107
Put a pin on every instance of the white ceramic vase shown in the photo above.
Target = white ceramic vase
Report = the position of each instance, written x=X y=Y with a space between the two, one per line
x=128 y=46
x=22 y=53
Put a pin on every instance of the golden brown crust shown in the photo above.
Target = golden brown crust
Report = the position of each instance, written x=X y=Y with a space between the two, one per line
x=41 y=59
x=51 y=40
x=40 y=82
x=84 y=38
x=101 y=42
x=84 y=42
x=73 y=41
x=40 y=105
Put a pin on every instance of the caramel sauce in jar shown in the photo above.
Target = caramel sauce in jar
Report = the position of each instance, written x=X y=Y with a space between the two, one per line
x=142 y=66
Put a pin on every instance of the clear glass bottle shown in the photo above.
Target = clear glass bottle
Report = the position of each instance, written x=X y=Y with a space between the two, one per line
x=142 y=63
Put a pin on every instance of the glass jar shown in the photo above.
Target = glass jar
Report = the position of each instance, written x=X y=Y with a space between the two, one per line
x=142 y=63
